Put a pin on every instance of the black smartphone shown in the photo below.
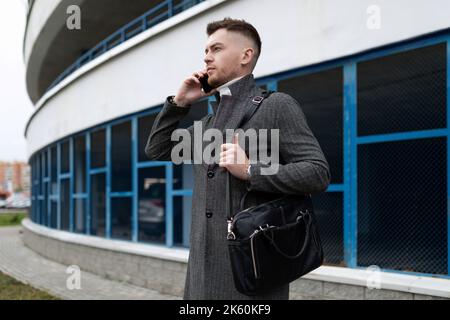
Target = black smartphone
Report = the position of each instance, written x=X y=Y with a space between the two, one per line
x=205 y=85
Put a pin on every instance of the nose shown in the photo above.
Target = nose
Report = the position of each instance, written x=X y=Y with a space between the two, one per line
x=208 y=58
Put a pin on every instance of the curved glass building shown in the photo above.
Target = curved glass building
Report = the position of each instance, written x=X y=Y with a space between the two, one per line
x=372 y=80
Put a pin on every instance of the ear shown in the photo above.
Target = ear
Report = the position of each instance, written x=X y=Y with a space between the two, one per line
x=247 y=56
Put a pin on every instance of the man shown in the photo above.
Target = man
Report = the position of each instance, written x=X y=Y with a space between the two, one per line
x=231 y=53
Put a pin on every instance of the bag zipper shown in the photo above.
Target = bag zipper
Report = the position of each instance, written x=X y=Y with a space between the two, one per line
x=253 y=253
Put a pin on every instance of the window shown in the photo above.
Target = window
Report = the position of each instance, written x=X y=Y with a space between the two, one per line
x=44 y=205
x=98 y=149
x=98 y=204
x=80 y=164
x=79 y=215
x=54 y=171
x=121 y=218
x=65 y=156
x=403 y=92
x=44 y=163
x=152 y=204
x=179 y=173
x=54 y=215
x=53 y=187
x=65 y=204
x=121 y=157
x=402 y=205
x=33 y=190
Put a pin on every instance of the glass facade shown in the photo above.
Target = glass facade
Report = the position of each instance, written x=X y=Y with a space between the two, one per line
x=97 y=224
x=380 y=118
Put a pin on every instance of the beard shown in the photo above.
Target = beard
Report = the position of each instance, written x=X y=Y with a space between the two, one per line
x=215 y=80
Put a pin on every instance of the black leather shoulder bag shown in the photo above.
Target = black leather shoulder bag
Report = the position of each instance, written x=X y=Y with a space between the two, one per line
x=274 y=243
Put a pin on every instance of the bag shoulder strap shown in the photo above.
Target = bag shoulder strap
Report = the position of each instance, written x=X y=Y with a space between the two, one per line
x=256 y=102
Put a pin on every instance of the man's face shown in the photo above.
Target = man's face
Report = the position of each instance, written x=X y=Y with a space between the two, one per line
x=223 y=56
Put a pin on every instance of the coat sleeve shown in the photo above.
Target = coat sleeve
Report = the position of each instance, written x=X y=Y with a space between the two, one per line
x=159 y=144
x=304 y=168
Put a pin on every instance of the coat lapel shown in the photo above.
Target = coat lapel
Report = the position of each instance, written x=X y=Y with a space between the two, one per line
x=230 y=110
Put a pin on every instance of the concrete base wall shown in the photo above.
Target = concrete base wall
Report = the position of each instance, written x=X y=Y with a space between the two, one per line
x=304 y=289
x=168 y=276
x=165 y=276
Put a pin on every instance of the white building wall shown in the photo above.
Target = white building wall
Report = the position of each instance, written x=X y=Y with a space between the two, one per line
x=143 y=71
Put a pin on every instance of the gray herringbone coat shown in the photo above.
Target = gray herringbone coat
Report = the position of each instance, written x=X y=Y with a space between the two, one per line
x=303 y=169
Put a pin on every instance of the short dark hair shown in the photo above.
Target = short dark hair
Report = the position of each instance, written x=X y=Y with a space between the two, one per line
x=239 y=26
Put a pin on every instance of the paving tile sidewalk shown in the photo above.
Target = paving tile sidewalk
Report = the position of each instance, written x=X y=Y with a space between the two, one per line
x=20 y=262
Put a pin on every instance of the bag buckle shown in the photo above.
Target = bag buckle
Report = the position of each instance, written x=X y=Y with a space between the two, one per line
x=257 y=100
x=230 y=235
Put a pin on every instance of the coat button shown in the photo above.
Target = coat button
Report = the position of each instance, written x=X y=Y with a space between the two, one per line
x=210 y=174
x=209 y=214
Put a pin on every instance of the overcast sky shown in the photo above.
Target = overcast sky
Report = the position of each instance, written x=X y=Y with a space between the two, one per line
x=15 y=106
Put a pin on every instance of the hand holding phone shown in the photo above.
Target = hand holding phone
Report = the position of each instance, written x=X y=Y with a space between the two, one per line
x=194 y=88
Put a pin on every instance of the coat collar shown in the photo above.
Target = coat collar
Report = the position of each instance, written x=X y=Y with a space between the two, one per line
x=224 y=89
